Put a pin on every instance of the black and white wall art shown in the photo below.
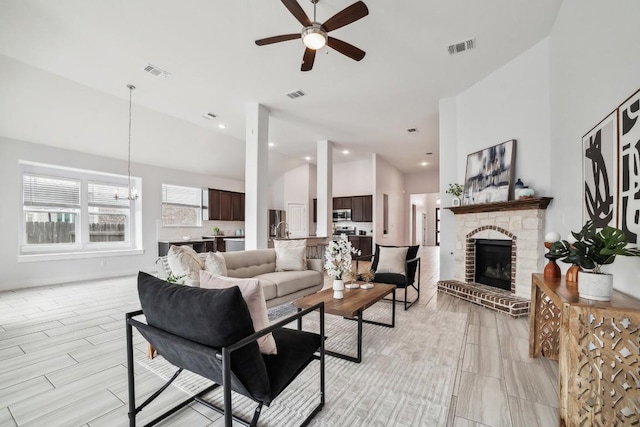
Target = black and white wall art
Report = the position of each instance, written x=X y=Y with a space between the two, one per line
x=600 y=150
x=629 y=158
x=489 y=174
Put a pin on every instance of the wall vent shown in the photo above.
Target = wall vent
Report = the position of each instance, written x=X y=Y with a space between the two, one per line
x=158 y=72
x=296 y=94
x=462 y=46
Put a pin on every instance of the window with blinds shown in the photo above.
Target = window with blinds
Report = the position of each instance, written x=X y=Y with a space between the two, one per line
x=51 y=209
x=181 y=206
x=108 y=215
x=68 y=210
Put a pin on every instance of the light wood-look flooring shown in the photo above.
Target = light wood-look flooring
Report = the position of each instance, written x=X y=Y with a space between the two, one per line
x=62 y=360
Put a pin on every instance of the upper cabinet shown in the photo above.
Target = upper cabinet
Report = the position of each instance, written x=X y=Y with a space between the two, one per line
x=361 y=207
x=226 y=205
x=342 y=203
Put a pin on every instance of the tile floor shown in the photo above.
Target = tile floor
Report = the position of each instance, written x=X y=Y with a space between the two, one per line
x=62 y=360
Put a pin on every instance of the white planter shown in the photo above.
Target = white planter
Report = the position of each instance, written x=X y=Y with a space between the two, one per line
x=595 y=286
x=338 y=288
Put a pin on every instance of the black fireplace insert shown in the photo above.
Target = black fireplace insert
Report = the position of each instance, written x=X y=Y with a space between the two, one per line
x=493 y=263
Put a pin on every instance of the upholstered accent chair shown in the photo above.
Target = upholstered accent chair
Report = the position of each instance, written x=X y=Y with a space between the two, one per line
x=210 y=332
x=396 y=265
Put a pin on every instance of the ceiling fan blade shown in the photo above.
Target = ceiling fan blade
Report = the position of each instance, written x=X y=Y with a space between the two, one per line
x=278 y=39
x=346 y=49
x=297 y=11
x=346 y=16
x=307 y=59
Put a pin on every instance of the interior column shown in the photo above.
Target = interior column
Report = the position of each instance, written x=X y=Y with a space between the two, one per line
x=256 y=177
x=325 y=188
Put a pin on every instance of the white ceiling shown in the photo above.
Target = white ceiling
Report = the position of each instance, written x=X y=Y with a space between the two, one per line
x=208 y=47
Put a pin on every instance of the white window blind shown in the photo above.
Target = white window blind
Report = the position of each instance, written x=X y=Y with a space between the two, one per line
x=101 y=194
x=185 y=196
x=44 y=191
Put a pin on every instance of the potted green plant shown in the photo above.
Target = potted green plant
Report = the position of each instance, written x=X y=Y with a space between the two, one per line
x=216 y=231
x=592 y=250
x=455 y=190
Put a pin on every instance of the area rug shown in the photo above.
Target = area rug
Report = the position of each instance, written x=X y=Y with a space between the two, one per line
x=406 y=377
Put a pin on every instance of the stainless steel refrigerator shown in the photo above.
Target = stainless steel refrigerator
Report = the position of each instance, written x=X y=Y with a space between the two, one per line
x=276 y=217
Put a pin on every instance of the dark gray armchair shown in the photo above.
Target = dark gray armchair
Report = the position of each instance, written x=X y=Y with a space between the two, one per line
x=402 y=281
x=210 y=332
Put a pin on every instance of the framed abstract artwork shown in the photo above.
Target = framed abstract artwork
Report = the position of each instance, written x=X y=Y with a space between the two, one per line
x=600 y=166
x=629 y=161
x=489 y=174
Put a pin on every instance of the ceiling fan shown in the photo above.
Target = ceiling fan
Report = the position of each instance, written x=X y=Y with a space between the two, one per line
x=314 y=34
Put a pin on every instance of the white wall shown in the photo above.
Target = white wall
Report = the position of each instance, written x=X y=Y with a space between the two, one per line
x=352 y=178
x=594 y=66
x=390 y=180
x=422 y=182
x=23 y=274
x=511 y=103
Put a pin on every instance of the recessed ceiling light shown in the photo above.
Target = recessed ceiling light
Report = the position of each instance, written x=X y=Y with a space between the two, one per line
x=307 y=158
x=345 y=151
x=272 y=144
x=222 y=126
x=424 y=164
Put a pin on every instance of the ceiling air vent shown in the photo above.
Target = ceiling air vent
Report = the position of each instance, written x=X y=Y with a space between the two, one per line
x=462 y=46
x=296 y=94
x=209 y=116
x=158 y=72
x=412 y=130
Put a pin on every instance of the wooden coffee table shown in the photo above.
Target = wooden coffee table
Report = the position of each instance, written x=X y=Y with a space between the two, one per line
x=354 y=303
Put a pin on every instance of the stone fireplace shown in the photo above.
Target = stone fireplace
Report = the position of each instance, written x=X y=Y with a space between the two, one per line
x=518 y=227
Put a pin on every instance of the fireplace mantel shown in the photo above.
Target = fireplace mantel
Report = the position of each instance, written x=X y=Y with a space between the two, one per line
x=511 y=205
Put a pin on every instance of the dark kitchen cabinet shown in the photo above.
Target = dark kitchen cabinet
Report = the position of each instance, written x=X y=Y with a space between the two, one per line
x=226 y=205
x=362 y=208
x=342 y=203
x=362 y=243
x=315 y=210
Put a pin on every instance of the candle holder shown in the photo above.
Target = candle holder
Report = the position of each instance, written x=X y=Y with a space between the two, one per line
x=551 y=270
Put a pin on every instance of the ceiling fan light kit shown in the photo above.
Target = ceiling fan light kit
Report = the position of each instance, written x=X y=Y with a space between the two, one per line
x=314 y=35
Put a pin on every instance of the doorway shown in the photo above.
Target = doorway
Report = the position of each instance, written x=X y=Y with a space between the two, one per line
x=297 y=219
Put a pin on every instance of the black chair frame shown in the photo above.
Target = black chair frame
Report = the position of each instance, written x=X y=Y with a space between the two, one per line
x=415 y=285
x=224 y=356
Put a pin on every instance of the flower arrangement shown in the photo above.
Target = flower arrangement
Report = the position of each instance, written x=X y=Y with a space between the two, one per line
x=455 y=190
x=338 y=257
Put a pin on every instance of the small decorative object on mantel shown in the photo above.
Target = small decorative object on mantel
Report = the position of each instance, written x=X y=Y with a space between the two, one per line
x=338 y=262
x=521 y=191
x=592 y=250
x=551 y=270
x=455 y=190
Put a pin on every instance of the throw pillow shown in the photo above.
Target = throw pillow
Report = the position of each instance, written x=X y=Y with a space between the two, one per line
x=215 y=264
x=253 y=296
x=391 y=260
x=294 y=243
x=184 y=261
x=291 y=259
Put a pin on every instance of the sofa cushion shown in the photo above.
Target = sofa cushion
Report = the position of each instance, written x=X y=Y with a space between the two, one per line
x=288 y=282
x=246 y=264
x=291 y=259
x=184 y=261
x=253 y=296
x=214 y=263
x=269 y=288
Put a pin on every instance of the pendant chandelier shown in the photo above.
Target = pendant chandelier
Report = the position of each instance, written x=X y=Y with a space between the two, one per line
x=133 y=192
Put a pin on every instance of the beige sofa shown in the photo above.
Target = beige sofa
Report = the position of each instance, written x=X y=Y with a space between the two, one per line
x=279 y=286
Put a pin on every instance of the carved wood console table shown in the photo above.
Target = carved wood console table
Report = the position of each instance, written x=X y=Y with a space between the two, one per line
x=597 y=345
